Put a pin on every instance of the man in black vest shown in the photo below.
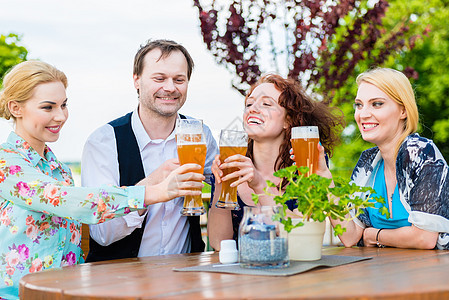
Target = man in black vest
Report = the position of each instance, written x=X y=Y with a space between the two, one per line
x=142 y=144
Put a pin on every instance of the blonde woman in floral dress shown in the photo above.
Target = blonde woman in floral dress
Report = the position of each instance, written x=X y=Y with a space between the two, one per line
x=40 y=209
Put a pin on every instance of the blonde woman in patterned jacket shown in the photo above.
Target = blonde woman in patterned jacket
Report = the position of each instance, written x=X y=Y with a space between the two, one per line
x=407 y=170
x=40 y=209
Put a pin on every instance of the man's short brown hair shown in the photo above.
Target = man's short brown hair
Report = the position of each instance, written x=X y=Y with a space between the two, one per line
x=166 y=47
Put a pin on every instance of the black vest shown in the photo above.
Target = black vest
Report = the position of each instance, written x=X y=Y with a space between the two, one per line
x=131 y=171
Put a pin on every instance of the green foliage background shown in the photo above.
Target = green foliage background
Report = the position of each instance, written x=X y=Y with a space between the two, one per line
x=11 y=53
x=429 y=57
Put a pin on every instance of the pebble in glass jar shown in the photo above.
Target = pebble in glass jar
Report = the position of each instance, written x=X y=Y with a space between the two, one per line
x=262 y=244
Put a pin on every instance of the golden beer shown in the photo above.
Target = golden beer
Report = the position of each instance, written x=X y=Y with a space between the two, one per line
x=305 y=141
x=191 y=149
x=193 y=153
x=228 y=196
x=232 y=142
x=306 y=153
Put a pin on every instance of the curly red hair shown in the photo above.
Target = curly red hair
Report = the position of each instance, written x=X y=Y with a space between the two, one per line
x=301 y=110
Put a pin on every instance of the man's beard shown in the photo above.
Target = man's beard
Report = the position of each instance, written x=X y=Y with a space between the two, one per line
x=152 y=105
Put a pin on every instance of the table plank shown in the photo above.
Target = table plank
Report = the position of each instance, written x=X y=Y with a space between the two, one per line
x=392 y=273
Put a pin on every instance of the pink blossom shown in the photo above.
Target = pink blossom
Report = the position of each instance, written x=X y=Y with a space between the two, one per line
x=29 y=220
x=36 y=265
x=32 y=232
x=51 y=192
x=12 y=258
x=44 y=226
x=23 y=188
x=75 y=238
x=71 y=258
x=10 y=270
x=106 y=216
x=24 y=252
x=14 y=169
x=4 y=219
x=56 y=220
x=55 y=201
x=101 y=206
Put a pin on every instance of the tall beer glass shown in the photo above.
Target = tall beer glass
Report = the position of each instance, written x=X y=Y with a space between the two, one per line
x=305 y=141
x=192 y=148
x=231 y=142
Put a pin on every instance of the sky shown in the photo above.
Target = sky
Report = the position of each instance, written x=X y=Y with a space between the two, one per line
x=94 y=43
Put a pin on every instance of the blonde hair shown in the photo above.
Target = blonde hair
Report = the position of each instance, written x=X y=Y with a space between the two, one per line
x=397 y=86
x=20 y=81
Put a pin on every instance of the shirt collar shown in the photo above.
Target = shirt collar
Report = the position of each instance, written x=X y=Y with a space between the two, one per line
x=23 y=147
x=143 y=139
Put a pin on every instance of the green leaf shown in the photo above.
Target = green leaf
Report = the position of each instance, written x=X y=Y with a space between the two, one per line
x=255 y=198
x=385 y=212
x=270 y=184
x=338 y=230
x=316 y=200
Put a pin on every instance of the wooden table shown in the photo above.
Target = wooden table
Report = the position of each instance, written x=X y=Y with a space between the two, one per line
x=391 y=274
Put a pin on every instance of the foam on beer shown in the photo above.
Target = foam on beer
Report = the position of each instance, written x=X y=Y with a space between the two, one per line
x=305 y=132
x=233 y=138
x=189 y=131
x=191 y=135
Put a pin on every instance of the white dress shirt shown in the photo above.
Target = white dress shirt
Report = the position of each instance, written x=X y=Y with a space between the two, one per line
x=166 y=230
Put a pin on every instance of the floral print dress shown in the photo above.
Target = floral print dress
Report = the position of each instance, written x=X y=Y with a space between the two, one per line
x=41 y=211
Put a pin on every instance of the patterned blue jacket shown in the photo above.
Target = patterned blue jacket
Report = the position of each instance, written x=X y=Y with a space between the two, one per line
x=423 y=184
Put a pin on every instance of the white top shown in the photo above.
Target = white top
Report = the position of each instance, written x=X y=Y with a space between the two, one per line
x=166 y=230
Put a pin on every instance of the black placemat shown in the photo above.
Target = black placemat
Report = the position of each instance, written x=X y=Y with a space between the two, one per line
x=295 y=267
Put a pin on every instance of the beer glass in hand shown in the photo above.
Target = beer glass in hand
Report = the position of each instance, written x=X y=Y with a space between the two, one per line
x=232 y=142
x=305 y=141
x=192 y=148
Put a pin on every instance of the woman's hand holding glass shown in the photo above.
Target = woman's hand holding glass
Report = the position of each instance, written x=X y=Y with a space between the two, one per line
x=233 y=144
x=242 y=170
x=322 y=169
x=246 y=172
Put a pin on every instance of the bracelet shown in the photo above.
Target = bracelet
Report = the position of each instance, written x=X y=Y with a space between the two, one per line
x=377 y=239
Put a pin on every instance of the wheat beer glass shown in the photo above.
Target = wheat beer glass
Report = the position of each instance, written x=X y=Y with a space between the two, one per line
x=305 y=141
x=192 y=148
x=232 y=142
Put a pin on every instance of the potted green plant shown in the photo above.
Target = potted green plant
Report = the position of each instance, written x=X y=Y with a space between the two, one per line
x=315 y=199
